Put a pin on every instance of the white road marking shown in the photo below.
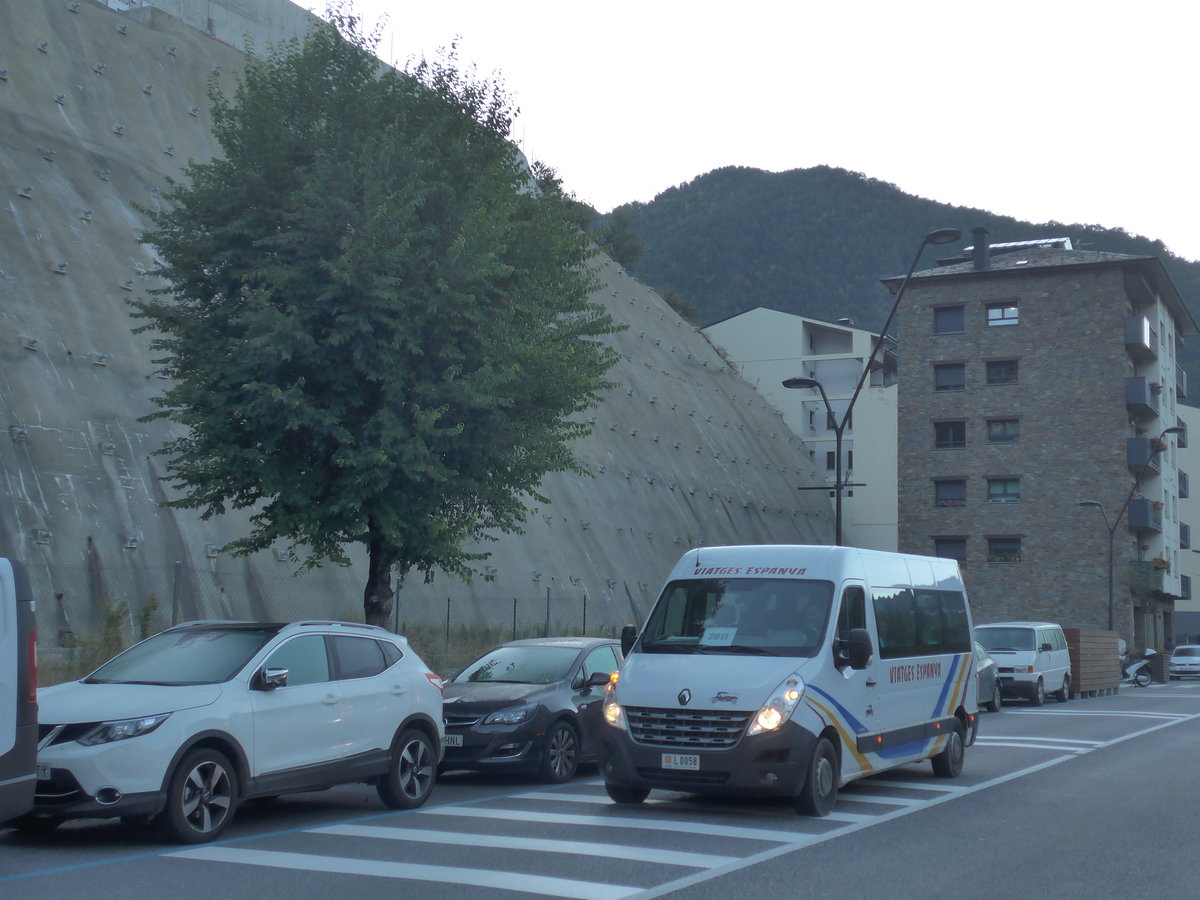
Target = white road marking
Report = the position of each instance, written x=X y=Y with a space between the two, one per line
x=508 y=842
x=675 y=826
x=513 y=881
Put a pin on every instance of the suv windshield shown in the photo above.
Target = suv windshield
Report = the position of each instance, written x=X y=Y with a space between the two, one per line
x=773 y=617
x=1005 y=638
x=201 y=654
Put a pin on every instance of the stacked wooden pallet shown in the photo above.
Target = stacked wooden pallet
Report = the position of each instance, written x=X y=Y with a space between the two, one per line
x=1094 y=666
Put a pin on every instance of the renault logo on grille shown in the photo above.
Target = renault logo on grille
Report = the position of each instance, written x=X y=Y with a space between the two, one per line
x=685 y=697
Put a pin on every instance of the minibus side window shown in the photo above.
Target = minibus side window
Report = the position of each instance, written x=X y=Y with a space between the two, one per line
x=852 y=614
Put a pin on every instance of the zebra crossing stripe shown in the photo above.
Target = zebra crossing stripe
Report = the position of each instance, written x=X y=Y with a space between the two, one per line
x=489 y=878
x=647 y=823
x=508 y=842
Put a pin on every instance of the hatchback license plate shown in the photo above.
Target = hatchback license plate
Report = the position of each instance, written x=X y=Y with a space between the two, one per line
x=688 y=761
x=454 y=740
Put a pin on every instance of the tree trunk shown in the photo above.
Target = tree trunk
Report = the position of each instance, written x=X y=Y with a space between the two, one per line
x=378 y=594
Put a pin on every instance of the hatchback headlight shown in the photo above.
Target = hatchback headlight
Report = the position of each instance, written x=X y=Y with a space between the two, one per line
x=514 y=716
x=122 y=729
x=777 y=710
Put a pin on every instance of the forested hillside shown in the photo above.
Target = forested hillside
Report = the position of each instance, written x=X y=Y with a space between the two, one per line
x=817 y=241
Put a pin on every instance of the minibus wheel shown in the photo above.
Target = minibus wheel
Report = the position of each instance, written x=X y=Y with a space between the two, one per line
x=949 y=763
x=628 y=795
x=819 y=794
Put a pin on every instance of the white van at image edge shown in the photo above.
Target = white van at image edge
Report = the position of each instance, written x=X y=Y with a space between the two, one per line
x=18 y=692
x=864 y=662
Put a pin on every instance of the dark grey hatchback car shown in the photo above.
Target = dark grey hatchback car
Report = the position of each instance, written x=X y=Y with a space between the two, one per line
x=529 y=706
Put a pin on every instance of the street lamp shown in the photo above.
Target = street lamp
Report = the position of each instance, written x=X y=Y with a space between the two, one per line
x=941 y=236
x=1112 y=526
x=839 y=427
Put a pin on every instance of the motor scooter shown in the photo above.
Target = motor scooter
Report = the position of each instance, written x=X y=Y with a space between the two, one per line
x=1137 y=671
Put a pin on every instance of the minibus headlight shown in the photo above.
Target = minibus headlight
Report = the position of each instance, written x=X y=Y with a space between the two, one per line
x=614 y=715
x=777 y=710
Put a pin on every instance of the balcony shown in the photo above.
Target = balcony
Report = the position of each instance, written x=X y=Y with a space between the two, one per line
x=1145 y=515
x=1180 y=383
x=1181 y=437
x=1144 y=572
x=1141 y=341
x=1141 y=397
x=1184 y=487
x=1138 y=453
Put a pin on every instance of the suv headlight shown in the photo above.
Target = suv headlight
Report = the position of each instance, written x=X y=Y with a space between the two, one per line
x=777 y=710
x=122 y=729
x=514 y=716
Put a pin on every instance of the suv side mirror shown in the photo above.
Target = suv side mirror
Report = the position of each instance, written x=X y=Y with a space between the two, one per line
x=271 y=678
x=860 y=647
x=628 y=638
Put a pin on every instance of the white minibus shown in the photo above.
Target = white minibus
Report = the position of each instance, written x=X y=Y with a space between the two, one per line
x=790 y=671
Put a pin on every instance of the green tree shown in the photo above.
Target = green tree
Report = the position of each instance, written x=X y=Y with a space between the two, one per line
x=379 y=331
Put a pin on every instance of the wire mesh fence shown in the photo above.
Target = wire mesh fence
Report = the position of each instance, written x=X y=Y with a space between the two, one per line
x=97 y=611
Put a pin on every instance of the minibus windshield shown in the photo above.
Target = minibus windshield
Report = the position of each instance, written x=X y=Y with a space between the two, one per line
x=774 y=617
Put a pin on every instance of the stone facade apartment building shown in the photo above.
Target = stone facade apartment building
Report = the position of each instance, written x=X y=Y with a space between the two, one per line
x=1034 y=377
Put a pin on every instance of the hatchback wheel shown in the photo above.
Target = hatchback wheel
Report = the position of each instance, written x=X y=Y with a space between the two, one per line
x=201 y=798
x=560 y=759
x=994 y=704
x=411 y=772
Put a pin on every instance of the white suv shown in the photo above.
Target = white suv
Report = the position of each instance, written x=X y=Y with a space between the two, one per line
x=188 y=723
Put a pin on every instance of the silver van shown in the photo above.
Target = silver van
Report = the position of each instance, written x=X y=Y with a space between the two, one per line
x=18 y=692
x=1032 y=659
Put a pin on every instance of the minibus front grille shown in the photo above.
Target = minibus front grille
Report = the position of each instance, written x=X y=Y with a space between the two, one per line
x=694 y=729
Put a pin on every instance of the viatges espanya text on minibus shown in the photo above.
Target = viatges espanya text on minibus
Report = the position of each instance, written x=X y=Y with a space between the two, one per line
x=790 y=671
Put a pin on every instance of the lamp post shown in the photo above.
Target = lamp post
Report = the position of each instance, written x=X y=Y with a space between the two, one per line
x=941 y=236
x=839 y=427
x=1155 y=448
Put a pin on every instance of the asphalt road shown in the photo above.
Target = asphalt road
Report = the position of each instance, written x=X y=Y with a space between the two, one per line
x=1092 y=798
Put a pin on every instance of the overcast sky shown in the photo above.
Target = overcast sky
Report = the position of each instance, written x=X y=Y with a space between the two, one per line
x=1075 y=112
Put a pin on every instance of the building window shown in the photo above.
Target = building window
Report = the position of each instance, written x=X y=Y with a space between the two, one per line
x=950 y=435
x=1004 y=490
x=830 y=460
x=950 y=547
x=1002 y=371
x=1185 y=587
x=950 y=492
x=1185 y=536
x=949 y=320
x=949 y=376
x=1004 y=549
x=1003 y=313
x=1003 y=431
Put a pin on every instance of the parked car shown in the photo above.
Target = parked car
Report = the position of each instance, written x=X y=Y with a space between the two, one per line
x=530 y=705
x=1032 y=657
x=188 y=723
x=1184 y=661
x=987 y=679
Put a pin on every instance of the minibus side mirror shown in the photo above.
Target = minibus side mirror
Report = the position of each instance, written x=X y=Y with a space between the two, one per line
x=861 y=649
x=628 y=638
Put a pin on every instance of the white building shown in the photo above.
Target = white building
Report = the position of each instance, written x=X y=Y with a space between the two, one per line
x=1187 y=607
x=768 y=347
